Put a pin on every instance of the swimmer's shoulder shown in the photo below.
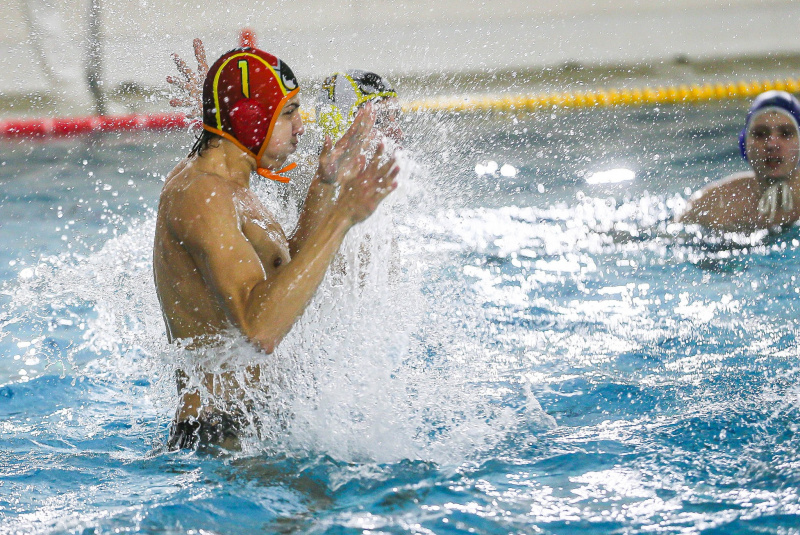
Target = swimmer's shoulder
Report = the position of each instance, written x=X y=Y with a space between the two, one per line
x=733 y=184
x=718 y=203
x=743 y=179
x=177 y=169
x=192 y=194
x=189 y=180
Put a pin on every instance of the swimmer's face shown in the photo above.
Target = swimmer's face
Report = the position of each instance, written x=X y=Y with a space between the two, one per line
x=773 y=146
x=387 y=118
x=285 y=135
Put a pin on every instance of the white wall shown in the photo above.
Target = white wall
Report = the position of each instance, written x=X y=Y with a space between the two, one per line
x=402 y=36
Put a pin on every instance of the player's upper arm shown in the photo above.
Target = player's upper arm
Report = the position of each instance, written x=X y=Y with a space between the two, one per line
x=206 y=223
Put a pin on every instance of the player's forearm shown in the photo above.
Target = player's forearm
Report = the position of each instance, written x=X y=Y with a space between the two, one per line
x=275 y=304
x=318 y=204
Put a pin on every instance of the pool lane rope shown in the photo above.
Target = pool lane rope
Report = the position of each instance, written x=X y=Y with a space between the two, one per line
x=74 y=126
x=682 y=94
x=647 y=96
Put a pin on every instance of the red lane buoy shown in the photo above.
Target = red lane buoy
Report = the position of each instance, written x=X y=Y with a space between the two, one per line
x=75 y=126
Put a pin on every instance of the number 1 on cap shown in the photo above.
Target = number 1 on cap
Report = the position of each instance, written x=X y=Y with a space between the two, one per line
x=245 y=77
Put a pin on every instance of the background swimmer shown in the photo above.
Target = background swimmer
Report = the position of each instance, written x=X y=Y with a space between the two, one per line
x=768 y=196
x=221 y=261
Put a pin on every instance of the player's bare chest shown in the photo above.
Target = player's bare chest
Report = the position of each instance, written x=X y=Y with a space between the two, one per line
x=265 y=235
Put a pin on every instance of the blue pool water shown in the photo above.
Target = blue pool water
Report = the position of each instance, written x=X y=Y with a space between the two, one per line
x=539 y=352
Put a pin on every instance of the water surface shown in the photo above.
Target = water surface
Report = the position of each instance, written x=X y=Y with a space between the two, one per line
x=531 y=351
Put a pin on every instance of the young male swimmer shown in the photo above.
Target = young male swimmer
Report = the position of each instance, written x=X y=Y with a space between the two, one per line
x=767 y=197
x=221 y=261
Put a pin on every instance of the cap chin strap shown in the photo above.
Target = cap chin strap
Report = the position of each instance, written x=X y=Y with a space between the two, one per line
x=778 y=195
x=276 y=175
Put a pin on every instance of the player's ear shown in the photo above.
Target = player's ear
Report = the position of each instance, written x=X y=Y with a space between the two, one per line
x=249 y=122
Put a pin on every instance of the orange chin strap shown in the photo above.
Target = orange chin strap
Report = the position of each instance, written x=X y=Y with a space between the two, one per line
x=276 y=175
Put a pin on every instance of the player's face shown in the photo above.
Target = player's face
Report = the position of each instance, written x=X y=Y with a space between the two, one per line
x=285 y=135
x=773 y=146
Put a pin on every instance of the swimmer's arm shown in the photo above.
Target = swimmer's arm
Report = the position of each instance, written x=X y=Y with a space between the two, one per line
x=322 y=192
x=317 y=205
x=263 y=309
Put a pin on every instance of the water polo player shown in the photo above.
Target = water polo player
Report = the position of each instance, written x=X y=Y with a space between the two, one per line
x=768 y=196
x=223 y=266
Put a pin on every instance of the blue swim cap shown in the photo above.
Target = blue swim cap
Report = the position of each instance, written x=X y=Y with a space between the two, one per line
x=769 y=99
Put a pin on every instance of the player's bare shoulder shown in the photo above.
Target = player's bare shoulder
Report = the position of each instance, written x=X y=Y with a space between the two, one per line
x=734 y=183
x=723 y=203
x=731 y=189
x=744 y=180
x=196 y=209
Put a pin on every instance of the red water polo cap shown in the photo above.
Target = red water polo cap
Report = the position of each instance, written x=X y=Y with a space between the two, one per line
x=243 y=95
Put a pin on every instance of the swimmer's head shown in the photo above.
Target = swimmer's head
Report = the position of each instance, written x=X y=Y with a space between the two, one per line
x=343 y=94
x=243 y=95
x=771 y=101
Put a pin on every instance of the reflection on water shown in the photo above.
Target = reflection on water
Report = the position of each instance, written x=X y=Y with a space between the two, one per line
x=520 y=350
x=612 y=176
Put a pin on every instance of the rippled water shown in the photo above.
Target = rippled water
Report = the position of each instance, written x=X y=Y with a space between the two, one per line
x=529 y=352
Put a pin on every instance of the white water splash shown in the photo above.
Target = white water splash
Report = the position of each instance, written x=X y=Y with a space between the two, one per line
x=368 y=372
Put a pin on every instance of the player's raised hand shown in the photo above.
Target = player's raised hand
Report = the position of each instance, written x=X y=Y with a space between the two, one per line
x=188 y=87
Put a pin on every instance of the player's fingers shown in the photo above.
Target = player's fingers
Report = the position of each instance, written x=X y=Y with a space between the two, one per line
x=200 y=54
x=388 y=182
x=375 y=161
x=182 y=67
x=385 y=169
x=361 y=125
x=349 y=141
x=366 y=120
x=361 y=160
x=179 y=102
